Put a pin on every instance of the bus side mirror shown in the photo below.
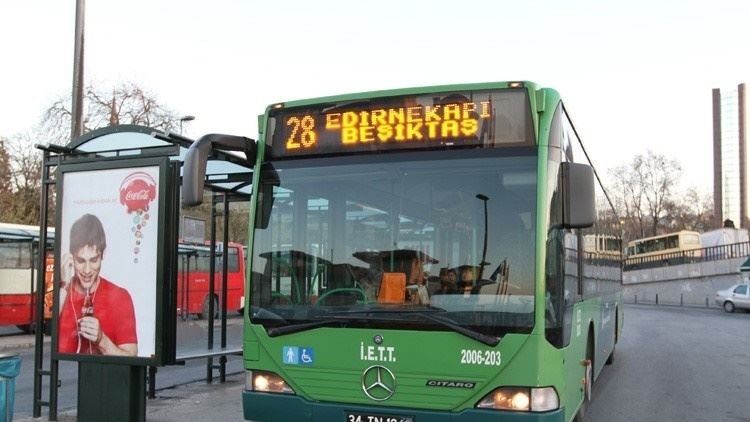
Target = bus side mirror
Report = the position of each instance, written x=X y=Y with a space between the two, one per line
x=579 y=206
x=194 y=168
x=265 y=199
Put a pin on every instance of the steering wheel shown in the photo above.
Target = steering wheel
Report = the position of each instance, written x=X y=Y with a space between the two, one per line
x=357 y=294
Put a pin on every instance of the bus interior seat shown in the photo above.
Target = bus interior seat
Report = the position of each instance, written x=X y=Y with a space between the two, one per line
x=392 y=288
x=486 y=287
x=501 y=289
x=433 y=284
x=341 y=276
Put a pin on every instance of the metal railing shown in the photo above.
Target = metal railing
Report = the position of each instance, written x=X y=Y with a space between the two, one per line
x=691 y=256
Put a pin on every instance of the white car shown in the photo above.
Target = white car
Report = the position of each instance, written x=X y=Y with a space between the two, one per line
x=737 y=296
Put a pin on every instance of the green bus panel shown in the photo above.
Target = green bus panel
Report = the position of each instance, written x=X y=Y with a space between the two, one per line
x=440 y=375
x=264 y=407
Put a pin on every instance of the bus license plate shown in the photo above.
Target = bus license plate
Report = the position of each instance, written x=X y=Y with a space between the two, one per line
x=366 y=417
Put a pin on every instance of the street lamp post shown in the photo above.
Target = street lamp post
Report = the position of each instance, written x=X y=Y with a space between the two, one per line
x=76 y=117
x=187 y=118
x=484 y=199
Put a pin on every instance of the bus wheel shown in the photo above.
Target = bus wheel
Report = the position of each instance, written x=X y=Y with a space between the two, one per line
x=588 y=381
x=26 y=328
x=611 y=357
x=204 y=309
x=728 y=307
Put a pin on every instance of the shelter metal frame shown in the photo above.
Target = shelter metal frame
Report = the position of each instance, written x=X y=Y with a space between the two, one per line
x=228 y=176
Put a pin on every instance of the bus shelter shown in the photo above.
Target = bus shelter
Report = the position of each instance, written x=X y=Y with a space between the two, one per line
x=126 y=179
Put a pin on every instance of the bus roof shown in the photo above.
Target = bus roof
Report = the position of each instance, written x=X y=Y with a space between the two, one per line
x=20 y=232
x=186 y=248
x=681 y=232
x=407 y=91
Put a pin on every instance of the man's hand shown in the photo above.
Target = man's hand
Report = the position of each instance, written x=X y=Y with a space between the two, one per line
x=89 y=329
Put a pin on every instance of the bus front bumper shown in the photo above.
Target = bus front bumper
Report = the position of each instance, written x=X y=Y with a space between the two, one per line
x=264 y=407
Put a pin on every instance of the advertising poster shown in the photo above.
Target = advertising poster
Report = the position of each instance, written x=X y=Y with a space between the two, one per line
x=108 y=262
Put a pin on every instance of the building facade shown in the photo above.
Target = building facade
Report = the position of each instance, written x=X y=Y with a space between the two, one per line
x=731 y=156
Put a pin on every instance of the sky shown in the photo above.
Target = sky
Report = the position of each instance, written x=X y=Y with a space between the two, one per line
x=634 y=75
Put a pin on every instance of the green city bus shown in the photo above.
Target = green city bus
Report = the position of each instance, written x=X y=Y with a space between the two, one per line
x=418 y=255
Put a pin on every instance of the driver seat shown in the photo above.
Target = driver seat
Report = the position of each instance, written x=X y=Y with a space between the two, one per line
x=392 y=288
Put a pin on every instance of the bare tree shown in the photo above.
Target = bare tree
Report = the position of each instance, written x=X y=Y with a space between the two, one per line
x=691 y=211
x=642 y=192
x=5 y=178
x=20 y=162
x=628 y=197
x=123 y=105
x=23 y=174
x=660 y=176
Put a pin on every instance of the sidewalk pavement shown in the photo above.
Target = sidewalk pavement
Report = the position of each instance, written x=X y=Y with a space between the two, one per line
x=197 y=401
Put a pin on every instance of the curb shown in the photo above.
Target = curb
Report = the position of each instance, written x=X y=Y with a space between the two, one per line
x=196 y=400
x=22 y=341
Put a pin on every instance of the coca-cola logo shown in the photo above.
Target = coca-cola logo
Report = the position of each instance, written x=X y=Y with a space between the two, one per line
x=137 y=196
x=137 y=191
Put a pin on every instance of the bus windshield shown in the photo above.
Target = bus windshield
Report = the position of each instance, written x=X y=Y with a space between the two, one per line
x=381 y=241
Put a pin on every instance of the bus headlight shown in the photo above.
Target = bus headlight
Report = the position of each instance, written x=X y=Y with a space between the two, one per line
x=266 y=382
x=521 y=399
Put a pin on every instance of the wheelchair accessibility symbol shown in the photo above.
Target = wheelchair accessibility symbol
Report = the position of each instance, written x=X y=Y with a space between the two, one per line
x=295 y=355
x=306 y=356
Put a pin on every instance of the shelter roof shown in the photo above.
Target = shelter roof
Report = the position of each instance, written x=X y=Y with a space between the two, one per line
x=225 y=171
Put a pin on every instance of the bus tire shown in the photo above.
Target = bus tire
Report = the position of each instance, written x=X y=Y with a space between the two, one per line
x=588 y=380
x=611 y=357
x=26 y=328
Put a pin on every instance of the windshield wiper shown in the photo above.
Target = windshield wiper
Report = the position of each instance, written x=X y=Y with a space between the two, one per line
x=344 y=316
x=475 y=335
x=429 y=314
x=262 y=313
x=387 y=310
x=303 y=326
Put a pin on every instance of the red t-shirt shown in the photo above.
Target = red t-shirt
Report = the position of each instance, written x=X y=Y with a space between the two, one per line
x=113 y=307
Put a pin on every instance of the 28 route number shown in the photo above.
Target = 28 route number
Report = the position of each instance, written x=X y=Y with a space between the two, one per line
x=303 y=133
x=481 y=357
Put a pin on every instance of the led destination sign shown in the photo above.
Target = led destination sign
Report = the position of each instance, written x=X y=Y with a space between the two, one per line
x=487 y=119
x=409 y=124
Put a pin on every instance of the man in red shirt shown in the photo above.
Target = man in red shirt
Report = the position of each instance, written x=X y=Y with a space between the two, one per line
x=96 y=315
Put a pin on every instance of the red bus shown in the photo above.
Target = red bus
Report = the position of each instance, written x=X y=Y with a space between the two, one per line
x=193 y=293
x=18 y=253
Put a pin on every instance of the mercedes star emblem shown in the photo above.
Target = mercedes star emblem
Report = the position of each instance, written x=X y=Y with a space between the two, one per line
x=378 y=383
